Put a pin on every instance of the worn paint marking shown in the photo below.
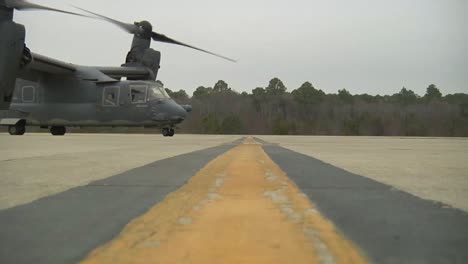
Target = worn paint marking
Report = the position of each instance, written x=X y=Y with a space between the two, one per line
x=240 y=208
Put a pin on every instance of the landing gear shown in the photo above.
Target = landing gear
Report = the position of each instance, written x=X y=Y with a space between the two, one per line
x=168 y=132
x=171 y=132
x=58 y=130
x=17 y=130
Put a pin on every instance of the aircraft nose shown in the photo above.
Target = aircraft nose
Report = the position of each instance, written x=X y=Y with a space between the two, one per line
x=168 y=110
x=181 y=111
x=187 y=108
x=178 y=113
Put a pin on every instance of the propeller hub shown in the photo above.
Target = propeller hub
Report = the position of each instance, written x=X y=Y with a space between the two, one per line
x=145 y=26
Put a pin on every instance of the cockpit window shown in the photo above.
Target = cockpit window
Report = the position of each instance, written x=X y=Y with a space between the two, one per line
x=156 y=91
x=164 y=92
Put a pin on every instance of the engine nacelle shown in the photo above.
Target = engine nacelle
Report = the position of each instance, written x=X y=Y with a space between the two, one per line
x=142 y=55
x=11 y=54
x=151 y=59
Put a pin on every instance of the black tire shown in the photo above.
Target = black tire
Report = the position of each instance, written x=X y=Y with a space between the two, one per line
x=21 y=131
x=171 y=132
x=58 y=130
x=165 y=132
x=12 y=130
x=16 y=130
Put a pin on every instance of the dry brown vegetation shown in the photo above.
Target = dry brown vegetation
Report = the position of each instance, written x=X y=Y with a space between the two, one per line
x=309 y=111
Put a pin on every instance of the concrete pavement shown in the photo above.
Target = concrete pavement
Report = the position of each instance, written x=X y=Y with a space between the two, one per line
x=38 y=165
x=240 y=203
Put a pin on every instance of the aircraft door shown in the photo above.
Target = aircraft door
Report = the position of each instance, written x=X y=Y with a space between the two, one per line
x=138 y=94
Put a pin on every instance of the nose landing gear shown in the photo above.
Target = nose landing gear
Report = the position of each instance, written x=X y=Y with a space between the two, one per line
x=168 y=132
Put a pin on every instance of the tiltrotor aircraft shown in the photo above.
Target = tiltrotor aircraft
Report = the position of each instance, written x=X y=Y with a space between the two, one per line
x=40 y=91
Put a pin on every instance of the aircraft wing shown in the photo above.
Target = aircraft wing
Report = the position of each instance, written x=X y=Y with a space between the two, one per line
x=139 y=72
x=45 y=64
x=41 y=64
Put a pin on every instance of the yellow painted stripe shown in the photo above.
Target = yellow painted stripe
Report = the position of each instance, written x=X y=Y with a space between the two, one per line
x=240 y=208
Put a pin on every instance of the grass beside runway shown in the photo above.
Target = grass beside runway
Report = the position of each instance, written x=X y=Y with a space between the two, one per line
x=239 y=208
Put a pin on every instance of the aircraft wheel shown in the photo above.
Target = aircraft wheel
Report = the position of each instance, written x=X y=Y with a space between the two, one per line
x=165 y=132
x=21 y=131
x=171 y=132
x=16 y=130
x=58 y=130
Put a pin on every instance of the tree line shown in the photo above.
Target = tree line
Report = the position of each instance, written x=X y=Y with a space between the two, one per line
x=307 y=110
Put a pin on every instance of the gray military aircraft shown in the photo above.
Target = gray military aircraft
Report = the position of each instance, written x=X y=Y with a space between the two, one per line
x=36 y=90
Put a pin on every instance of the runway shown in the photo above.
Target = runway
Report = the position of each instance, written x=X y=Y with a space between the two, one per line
x=228 y=200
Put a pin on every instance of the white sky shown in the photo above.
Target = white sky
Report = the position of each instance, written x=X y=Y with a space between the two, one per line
x=365 y=46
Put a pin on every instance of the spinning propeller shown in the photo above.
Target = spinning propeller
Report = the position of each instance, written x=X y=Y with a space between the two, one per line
x=25 y=5
x=143 y=28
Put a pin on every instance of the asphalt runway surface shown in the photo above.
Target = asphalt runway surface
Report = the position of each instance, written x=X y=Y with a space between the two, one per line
x=242 y=201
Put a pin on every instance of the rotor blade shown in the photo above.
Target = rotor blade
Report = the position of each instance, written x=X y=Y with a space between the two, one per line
x=130 y=28
x=134 y=29
x=162 y=38
x=25 y=5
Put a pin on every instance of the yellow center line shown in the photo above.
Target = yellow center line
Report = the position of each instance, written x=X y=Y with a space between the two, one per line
x=239 y=208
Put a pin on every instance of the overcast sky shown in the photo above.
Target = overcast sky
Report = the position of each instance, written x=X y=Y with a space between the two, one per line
x=365 y=46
